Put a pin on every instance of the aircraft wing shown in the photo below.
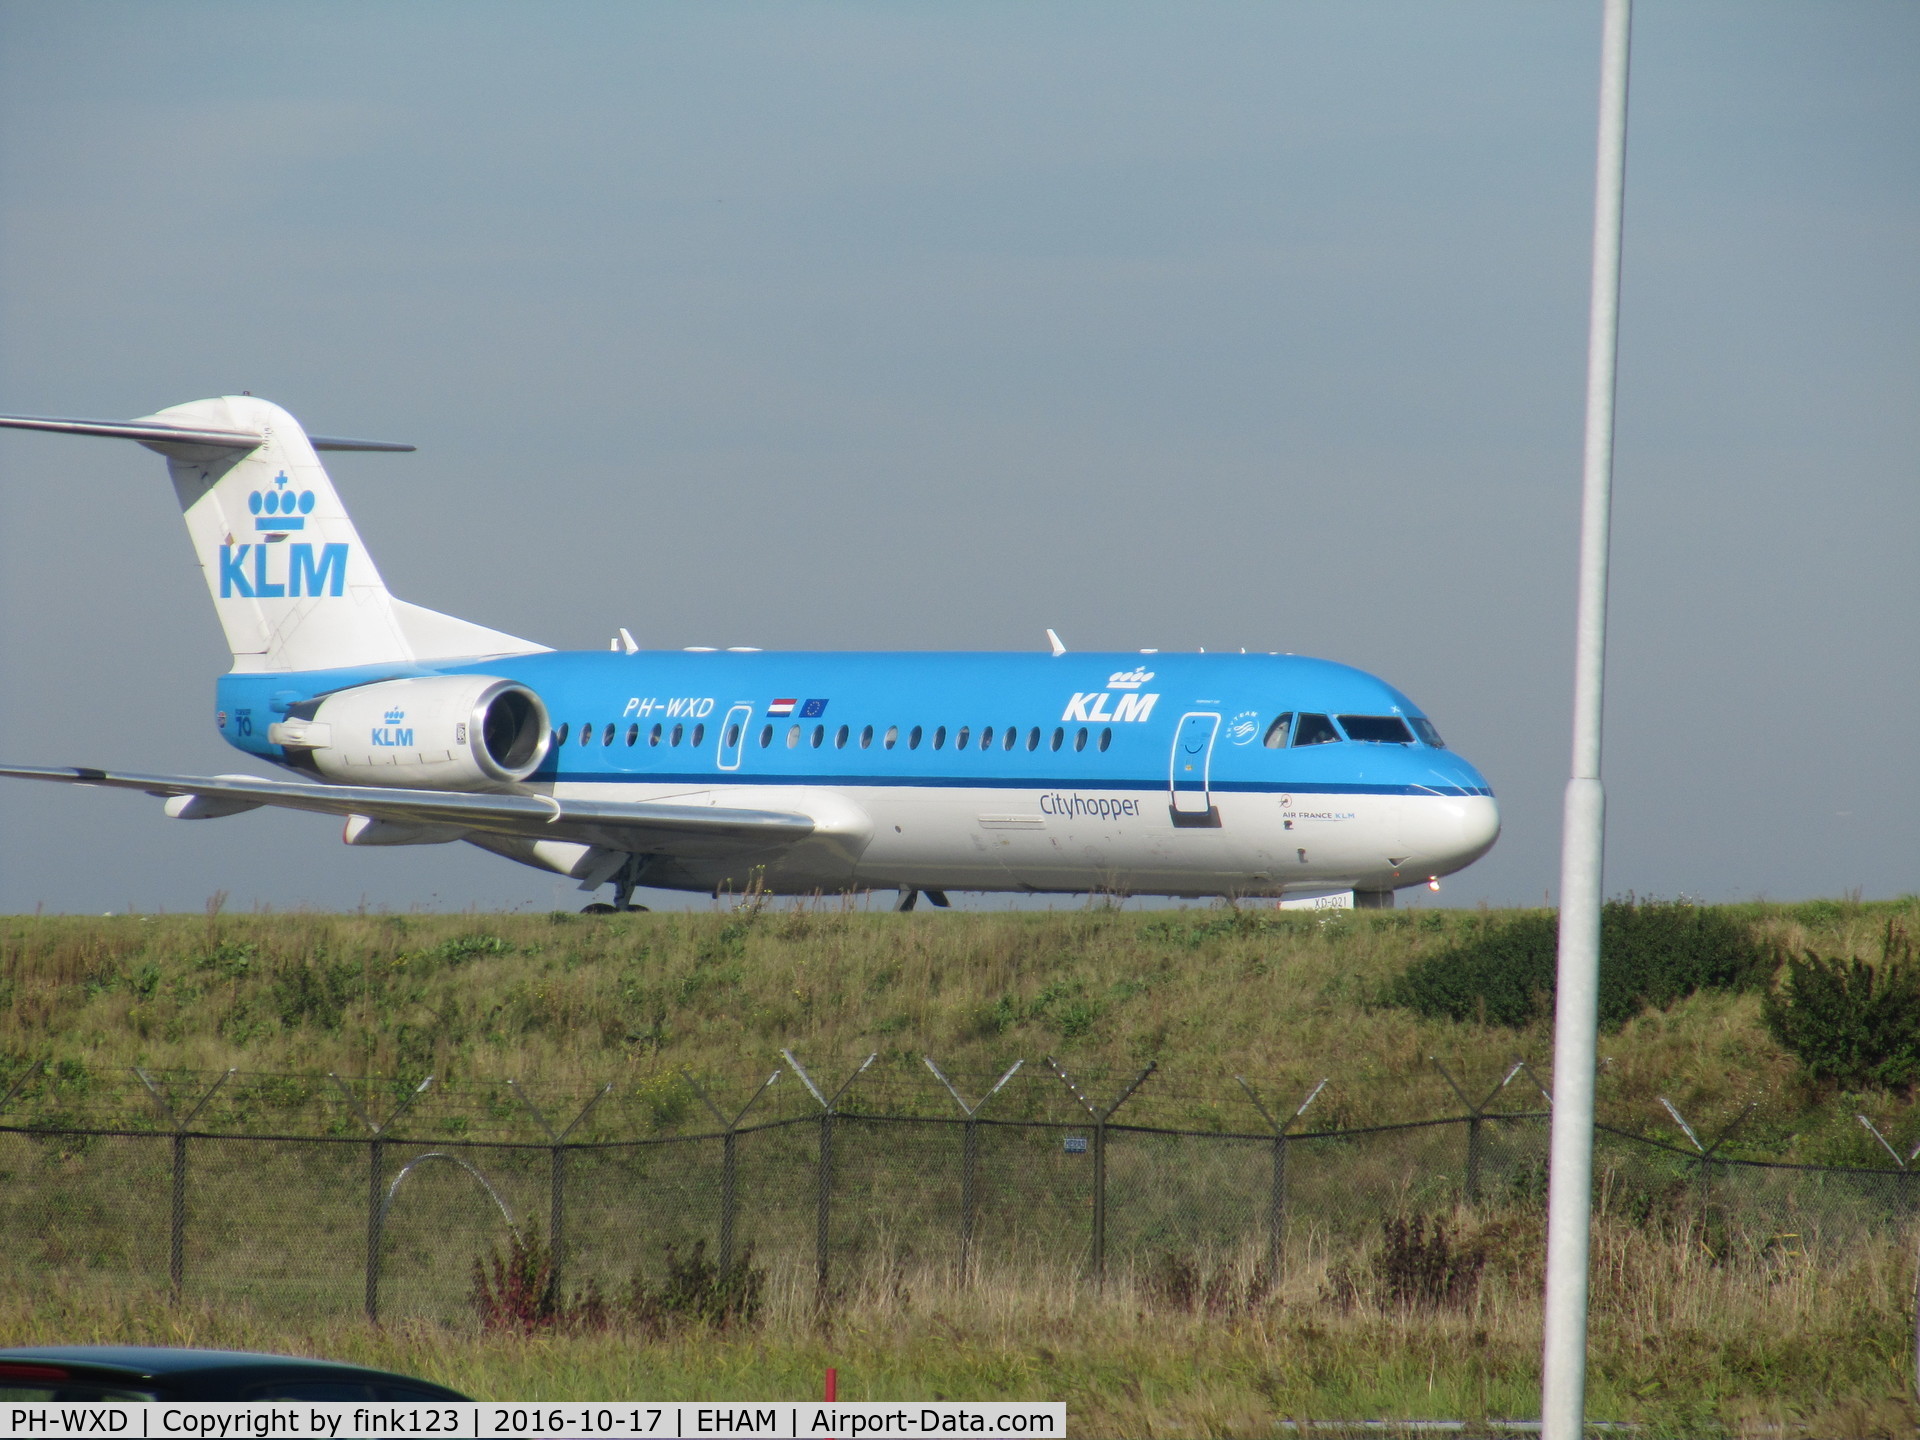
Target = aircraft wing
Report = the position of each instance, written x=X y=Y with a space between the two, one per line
x=637 y=826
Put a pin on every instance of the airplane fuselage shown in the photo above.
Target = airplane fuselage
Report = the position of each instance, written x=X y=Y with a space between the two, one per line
x=1135 y=773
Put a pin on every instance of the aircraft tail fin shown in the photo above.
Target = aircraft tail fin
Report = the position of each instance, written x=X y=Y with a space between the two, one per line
x=291 y=580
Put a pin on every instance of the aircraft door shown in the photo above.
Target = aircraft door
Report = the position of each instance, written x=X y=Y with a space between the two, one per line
x=1187 y=774
x=733 y=736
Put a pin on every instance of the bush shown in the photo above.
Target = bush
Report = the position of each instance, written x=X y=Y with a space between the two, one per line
x=1851 y=1022
x=1652 y=953
x=515 y=1292
x=1417 y=1267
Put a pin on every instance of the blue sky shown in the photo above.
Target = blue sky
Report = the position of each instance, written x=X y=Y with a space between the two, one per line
x=870 y=326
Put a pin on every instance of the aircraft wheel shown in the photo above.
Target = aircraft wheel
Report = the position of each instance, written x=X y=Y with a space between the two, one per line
x=598 y=908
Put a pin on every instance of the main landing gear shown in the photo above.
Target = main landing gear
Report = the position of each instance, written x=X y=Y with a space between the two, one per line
x=909 y=898
x=624 y=881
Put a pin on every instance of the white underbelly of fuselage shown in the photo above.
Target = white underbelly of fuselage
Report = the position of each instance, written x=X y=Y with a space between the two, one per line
x=962 y=838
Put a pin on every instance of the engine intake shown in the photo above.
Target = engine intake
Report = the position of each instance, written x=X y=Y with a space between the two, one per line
x=441 y=732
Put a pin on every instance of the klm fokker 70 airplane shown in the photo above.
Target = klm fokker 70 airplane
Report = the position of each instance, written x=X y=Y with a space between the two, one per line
x=1148 y=773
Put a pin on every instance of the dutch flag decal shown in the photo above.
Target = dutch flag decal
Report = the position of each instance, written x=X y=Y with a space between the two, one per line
x=781 y=707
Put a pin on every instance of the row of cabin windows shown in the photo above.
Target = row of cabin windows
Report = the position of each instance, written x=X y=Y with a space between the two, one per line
x=963 y=738
x=1289 y=730
x=1309 y=729
x=1007 y=738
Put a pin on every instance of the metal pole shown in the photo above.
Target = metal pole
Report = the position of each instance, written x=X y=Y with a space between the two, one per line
x=556 y=1216
x=1576 y=1005
x=1473 y=1158
x=1277 y=1206
x=969 y=1166
x=177 y=1220
x=1100 y=1201
x=376 y=1174
x=823 y=1210
x=729 y=1161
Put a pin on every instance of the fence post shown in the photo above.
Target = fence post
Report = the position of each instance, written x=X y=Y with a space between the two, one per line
x=1476 y=1117
x=376 y=1175
x=177 y=1184
x=1277 y=1186
x=729 y=1159
x=1705 y=1162
x=969 y=1159
x=823 y=1180
x=556 y=1178
x=1100 y=1118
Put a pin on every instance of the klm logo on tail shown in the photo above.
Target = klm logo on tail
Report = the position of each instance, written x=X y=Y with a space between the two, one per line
x=279 y=510
x=248 y=571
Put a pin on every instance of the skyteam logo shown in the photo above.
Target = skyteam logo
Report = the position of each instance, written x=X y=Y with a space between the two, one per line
x=1243 y=727
x=394 y=735
x=279 y=509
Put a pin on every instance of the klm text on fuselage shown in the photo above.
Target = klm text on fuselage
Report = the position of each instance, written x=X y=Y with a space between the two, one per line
x=302 y=574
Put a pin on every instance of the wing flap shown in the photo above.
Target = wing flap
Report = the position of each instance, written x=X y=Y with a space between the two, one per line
x=640 y=826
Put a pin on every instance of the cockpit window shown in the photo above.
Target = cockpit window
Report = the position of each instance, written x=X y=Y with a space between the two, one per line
x=1278 y=731
x=1380 y=729
x=1314 y=730
x=1424 y=728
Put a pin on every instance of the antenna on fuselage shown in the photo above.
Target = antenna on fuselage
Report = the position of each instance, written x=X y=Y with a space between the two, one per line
x=1054 y=641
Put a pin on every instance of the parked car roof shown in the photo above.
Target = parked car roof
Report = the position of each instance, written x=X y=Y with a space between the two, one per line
x=71 y=1372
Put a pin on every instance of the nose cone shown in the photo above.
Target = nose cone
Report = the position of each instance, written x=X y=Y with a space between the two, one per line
x=1460 y=823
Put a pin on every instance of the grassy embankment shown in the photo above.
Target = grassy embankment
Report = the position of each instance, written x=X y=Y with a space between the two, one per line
x=1685 y=1335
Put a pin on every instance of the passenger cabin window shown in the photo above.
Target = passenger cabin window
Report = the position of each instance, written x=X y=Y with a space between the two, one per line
x=1008 y=740
x=607 y=737
x=960 y=740
x=1377 y=729
x=766 y=736
x=866 y=738
x=1423 y=727
x=1080 y=738
x=586 y=733
x=939 y=736
x=793 y=738
x=633 y=736
x=986 y=737
x=733 y=736
x=913 y=738
x=1278 y=731
x=819 y=734
x=679 y=733
x=699 y=736
x=1058 y=736
x=893 y=736
x=1033 y=738
x=653 y=736
x=840 y=738
x=1106 y=737
x=560 y=735
x=1314 y=730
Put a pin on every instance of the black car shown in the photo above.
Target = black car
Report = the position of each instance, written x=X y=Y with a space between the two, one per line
x=137 y=1372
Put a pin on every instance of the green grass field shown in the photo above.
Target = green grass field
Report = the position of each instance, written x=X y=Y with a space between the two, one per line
x=1691 y=1335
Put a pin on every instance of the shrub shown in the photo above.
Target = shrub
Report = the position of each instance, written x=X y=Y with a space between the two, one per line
x=1416 y=1267
x=696 y=1293
x=516 y=1291
x=1652 y=953
x=1851 y=1022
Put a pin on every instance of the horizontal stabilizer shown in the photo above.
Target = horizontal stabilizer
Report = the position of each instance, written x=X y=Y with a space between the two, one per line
x=634 y=826
x=161 y=432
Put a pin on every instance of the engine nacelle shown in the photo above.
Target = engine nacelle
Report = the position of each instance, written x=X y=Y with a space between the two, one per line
x=441 y=732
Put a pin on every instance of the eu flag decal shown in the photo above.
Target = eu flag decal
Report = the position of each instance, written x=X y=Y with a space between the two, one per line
x=813 y=709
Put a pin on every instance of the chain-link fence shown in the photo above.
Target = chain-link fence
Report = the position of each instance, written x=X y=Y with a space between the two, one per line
x=311 y=1195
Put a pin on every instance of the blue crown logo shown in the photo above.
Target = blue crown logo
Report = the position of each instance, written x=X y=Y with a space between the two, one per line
x=396 y=715
x=280 y=509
